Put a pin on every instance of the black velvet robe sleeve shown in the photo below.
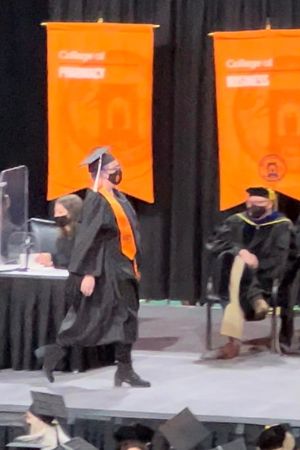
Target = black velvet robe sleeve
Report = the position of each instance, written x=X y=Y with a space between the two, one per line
x=226 y=238
x=281 y=247
x=290 y=270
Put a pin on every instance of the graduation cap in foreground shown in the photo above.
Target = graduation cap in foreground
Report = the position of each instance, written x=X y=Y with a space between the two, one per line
x=76 y=443
x=238 y=444
x=47 y=406
x=184 y=431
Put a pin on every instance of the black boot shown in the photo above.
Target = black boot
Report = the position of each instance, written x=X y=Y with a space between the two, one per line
x=126 y=374
x=51 y=355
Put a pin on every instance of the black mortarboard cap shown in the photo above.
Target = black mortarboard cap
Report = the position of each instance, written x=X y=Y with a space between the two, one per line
x=48 y=406
x=98 y=155
x=238 y=444
x=125 y=433
x=184 y=431
x=76 y=443
x=262 y=192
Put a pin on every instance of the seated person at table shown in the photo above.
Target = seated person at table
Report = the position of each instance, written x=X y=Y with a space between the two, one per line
x=256 y=243
x=67 y=212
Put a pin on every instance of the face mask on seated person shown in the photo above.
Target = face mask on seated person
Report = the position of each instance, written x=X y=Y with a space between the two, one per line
x=62 y=221
x=256 y=212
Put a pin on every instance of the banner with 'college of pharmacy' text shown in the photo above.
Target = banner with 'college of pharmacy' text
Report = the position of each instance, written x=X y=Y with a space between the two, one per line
x=258 y=111
x=99 y=93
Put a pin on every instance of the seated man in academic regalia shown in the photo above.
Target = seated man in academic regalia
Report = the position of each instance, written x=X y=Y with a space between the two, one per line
x=256 y=244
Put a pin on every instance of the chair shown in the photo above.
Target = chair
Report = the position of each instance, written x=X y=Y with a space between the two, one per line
x=45 y=233
x=215 y=294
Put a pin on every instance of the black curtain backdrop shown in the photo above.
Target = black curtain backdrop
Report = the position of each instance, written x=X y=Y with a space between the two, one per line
x=175 y=228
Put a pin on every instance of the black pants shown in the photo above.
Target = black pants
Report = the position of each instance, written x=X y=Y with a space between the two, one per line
x=53 y=354
x=123 y=352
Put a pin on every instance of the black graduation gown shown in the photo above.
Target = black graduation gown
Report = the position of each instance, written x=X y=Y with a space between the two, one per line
x=110 y=313
x=64 y=246
x=268 y=240
x=287 y=296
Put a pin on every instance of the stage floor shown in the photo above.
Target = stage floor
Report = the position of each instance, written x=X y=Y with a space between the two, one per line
x=258 y=387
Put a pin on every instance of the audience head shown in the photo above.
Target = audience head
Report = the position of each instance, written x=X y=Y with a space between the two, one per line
x=276 y=437
x=133 y=437
x=46 y=409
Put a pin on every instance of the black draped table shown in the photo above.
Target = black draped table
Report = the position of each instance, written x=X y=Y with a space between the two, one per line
x=32 y=307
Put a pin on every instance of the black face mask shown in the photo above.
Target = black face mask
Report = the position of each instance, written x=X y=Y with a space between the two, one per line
x=256 y=212
x=116 y=177
x=62 y=221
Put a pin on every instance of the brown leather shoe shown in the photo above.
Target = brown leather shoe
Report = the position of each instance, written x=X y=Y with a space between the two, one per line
x=228 y=351
x=261 y=308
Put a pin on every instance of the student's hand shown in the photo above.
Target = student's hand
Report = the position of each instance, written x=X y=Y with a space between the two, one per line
x=45 y=259
x=87 y=285
x=249 y=258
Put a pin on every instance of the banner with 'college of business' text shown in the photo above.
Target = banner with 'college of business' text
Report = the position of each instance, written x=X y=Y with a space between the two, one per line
x=99 y=93
x=258 y=111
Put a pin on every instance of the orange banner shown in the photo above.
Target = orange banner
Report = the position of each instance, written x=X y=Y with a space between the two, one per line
x=258 y=109
x=99 y=93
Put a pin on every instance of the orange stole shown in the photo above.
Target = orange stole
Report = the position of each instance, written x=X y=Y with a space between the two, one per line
x=128 y=246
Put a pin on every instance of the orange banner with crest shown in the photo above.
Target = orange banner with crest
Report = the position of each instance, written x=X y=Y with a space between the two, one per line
x=258 y=112
x=99 y=94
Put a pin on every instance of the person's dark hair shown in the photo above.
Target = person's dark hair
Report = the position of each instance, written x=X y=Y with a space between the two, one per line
x=73 y=204
x=135 y=435
x=272 y=438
